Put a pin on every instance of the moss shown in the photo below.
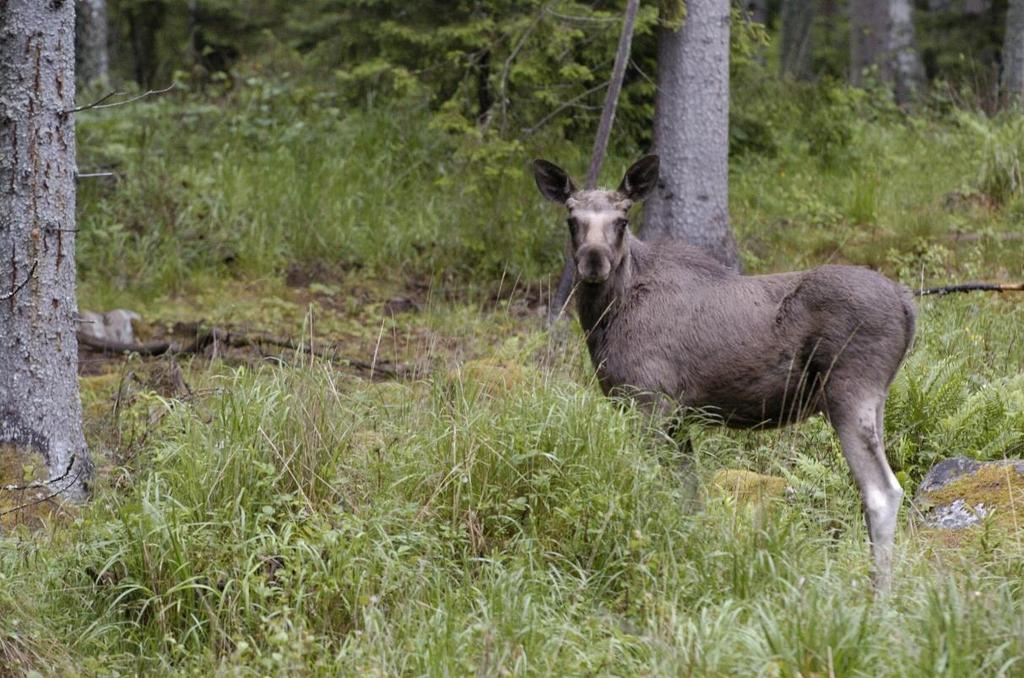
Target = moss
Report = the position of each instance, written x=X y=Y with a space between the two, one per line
x=999 y=488
x=747 y=486
x=492 y=375
x=22 y=466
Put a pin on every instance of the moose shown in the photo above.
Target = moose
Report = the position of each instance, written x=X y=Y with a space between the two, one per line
x=673 y=329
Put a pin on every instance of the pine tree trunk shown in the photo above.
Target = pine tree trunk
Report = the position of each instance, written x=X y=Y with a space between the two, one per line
x=882 y=35
x=40 y=409
x=797 y=19
x=1013 y=53
x=691 y=133
x=92 y=57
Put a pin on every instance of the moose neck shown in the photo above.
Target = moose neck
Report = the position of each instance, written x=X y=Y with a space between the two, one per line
x=598 y=304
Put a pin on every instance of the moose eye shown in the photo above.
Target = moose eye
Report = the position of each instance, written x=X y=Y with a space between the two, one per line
x=572 y=224
x=621 y=224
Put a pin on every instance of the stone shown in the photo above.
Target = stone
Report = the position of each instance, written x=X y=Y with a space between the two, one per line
x=958 y=493
x=113 y=325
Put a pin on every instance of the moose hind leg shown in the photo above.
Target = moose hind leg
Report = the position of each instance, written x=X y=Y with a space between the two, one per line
x=858 y=423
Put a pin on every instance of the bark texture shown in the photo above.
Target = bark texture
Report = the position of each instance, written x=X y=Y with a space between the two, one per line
x=691 y=133
x=39 y=402
x=1013 y=52
x=795 y=57
x=92 y=56
x=882 y=35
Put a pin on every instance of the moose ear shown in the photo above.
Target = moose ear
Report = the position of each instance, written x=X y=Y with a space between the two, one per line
x=553 y=181
x=640 y=179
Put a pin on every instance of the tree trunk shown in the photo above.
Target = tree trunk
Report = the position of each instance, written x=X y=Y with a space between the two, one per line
x=92 y=57
x=882 y=35
x=795 y=57
x=691 y=133
x=40 y=409
x=1013 y=53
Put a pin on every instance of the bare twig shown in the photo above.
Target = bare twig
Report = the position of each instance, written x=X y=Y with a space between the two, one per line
x=564 y=105
x=40 y=483
x=581 y=19
x=969 y=287
x=21 y=285
x=105 y=97
x=48 y=497
x=218 y=336
x=94 y=175
x=611 y=97
x=99 y=103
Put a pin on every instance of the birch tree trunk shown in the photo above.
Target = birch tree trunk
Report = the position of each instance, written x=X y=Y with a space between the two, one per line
x=797 y=19
x=691 y=133
x=882 y=35
x=40 y=409
x=92 y=56
x=1013 y=53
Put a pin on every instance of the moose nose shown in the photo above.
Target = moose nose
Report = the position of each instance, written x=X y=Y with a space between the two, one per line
x=593 y=265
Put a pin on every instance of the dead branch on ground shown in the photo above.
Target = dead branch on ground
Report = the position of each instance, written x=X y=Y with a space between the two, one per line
x=215 y=335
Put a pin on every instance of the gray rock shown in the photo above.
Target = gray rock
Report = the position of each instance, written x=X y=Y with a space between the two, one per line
x=955 y=516
x=963 y=511
x=113 y=325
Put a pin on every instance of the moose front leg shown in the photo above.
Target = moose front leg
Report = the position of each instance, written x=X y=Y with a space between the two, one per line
x=666 y=417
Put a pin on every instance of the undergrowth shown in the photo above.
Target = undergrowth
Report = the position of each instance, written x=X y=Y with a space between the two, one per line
x=500 y=516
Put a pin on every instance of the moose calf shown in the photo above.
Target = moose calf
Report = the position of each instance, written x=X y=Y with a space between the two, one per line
x=673 y=328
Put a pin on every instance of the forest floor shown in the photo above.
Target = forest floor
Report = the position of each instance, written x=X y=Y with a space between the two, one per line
x=442 y=489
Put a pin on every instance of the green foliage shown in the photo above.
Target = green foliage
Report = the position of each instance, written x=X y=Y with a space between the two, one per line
x=1000 y=174
x=507 y=520
x=292 y=520
x=961 y=403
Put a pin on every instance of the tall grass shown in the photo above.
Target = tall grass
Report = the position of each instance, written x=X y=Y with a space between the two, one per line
x=505 y=519
x=295 y=521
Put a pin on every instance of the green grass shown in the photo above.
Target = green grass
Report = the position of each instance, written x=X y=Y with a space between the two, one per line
x=498 y=516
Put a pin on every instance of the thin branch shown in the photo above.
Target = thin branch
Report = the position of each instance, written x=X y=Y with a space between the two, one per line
x=108 y=95
x=581 y=19
x=24 y=282
x=969 y=287
x=611 y=97
x=48 y=497
x=561 y=107
x=98 y=104
x=93 y=175
x=40 y=483
x=214 y=336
